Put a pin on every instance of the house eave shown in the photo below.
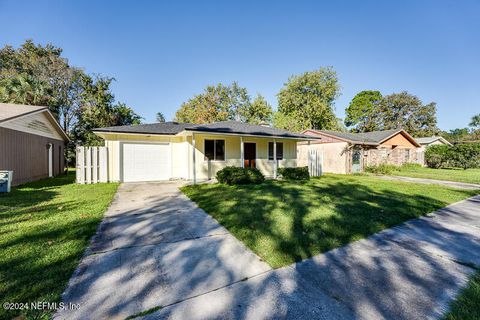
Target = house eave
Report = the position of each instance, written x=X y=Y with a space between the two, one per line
x=250 y=135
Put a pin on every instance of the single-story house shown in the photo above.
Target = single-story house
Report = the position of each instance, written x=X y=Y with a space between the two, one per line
x=170 y=150
x=344 y=152
x=430 y=141
x=31 y=142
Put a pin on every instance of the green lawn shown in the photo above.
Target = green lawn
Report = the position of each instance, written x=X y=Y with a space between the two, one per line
x=44 y=229
x=459 y=175
x=284 y=222
x=467 y=305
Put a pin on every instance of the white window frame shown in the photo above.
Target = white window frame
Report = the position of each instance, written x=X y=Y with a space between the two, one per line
x=268 y=151
x=215 y=151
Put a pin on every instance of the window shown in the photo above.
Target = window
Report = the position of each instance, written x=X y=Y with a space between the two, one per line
x=383 y=153
x=215 y=150
x=279 y=150
x=407 y=155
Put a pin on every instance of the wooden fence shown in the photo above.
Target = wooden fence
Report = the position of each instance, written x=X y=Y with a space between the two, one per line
x=92 y=165
x=315 y=163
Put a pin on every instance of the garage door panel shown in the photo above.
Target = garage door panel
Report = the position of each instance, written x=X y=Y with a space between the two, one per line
x=146 y=162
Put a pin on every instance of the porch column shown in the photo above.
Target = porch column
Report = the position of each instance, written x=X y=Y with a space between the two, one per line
x=242 y=155
x=194 y=162
x=275 y=164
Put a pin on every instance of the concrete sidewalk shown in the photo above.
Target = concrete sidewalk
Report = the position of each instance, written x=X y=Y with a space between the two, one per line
x=461 y=185
x=412 y=271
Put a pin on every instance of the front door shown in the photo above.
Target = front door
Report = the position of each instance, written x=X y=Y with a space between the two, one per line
x=356 y=160
x=250 y=154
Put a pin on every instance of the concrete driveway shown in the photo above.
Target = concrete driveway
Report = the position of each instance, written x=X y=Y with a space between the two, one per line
x=154 y=247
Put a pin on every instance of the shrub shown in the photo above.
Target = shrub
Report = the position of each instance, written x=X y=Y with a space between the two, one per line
x=300 y=173
x=381 y=168
x=461 y=156
x=236 y=175
x=254 y=175
x=436 y=156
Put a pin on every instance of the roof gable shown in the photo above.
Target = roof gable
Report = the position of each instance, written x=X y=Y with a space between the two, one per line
x=9 y=111
x=32 y=119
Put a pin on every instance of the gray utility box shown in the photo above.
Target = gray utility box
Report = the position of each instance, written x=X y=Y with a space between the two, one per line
x=5 y=181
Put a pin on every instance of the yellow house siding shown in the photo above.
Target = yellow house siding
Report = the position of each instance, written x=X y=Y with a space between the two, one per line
x=182 y=154
x=208 y=169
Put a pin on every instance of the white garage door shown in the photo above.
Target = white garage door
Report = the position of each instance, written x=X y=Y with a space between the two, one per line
x=146 y=162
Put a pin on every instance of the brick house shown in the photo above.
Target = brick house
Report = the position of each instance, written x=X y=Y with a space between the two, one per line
x=344 y=152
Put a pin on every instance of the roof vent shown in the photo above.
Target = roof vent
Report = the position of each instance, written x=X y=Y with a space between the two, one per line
x=264 y=124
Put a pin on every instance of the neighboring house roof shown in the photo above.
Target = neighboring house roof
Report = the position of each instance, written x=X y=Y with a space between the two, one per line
x=368 y=138
x=11 y=111
x=227 y=127
x=429 y=140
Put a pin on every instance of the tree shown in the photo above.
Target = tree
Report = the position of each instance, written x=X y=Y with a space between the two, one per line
x=98 y=109
x=475 y=123
x=287 y=122
x=223 y=102
x=403 y=110
x=39 y=75
x=259 y=111
x=160 y=117
x=361 y=114
x=308 y=99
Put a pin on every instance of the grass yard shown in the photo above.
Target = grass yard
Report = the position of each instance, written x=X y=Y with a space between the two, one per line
x=44 y=229
x=459 y=175
x=467 y=305
x=284 y=222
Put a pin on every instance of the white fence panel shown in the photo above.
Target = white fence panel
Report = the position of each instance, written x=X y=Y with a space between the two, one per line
x=80 y=165
x=88 y=165
x=92 y=164
x=102 y=164
x=315 y=163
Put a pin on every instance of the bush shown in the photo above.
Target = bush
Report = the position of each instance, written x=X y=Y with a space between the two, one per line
x=436 y=156
x=460 y=156
x=381 y=169
x=300 y=173
x=254 y=175
x=236 y=175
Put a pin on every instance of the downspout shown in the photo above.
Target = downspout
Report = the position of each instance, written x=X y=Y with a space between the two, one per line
x=242 y=156
x=194 y=160
x=275 y=165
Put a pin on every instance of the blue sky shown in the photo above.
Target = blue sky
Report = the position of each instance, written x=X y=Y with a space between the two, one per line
x=162 y=53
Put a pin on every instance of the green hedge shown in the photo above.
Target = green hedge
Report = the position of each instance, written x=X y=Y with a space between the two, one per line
x=236 y=175
x=300 y=173
x=460 y=156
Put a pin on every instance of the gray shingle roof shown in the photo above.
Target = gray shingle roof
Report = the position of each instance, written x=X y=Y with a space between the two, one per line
x=428 y=140
x=234 y=127
x=168 y=128
x=244 y=128
x=365 y=137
